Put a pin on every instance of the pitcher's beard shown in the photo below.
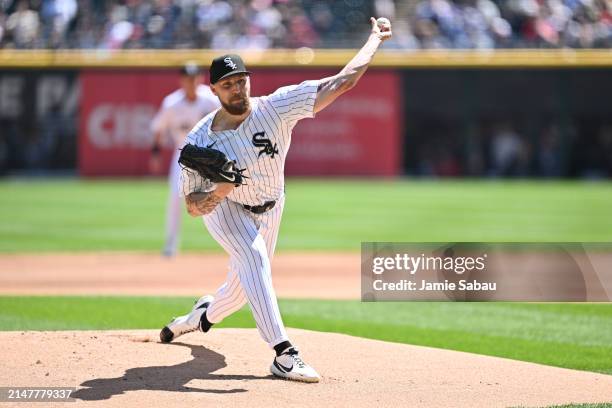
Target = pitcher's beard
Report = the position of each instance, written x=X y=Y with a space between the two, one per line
x=237 y=109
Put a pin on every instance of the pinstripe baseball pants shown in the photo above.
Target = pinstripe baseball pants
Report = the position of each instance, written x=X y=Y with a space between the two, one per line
x=250 y=240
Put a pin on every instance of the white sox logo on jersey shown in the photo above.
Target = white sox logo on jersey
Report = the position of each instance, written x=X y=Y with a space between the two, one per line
x=259 y=140
x=228 y=61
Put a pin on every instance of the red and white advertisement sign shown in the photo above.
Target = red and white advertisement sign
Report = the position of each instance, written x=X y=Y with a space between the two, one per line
x=117 y=108
x=359 y=134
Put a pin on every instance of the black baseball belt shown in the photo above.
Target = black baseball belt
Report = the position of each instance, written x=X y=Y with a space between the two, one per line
x=260 y=209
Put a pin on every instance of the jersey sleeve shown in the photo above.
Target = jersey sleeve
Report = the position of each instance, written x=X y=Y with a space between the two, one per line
x=295 y=102
x=198 y=136
x=190 y=181
x=161 y=120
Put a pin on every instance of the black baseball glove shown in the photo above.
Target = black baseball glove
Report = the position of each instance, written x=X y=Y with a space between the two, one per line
x=211 y=164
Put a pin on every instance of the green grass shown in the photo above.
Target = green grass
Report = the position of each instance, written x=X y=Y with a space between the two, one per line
x=597 y=405
x=73 y=215
x=574 y=405
x=575 y=336
x=586 y=405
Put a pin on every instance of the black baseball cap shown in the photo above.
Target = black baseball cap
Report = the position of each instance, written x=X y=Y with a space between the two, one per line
x=190 y=69
x=226 y=65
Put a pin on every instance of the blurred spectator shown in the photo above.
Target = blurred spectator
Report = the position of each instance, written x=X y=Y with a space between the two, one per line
x=260 y=24
x=508 y=152
x=57 y=15
x=605 y=140
x=474 y=152
x=550 y=155
x=510 y=147
x=23 y=26
x=2 y=22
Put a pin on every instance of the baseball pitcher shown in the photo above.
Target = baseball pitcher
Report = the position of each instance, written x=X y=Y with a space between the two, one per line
x=233 y=176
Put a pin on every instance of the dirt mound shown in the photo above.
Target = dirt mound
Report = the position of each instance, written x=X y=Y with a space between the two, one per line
x=229 y=367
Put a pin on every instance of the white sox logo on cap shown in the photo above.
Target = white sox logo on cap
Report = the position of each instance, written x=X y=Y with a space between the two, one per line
x=228 y=61
x=226 y=65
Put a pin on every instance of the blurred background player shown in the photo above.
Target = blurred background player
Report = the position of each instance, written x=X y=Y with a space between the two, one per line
x=178 y=114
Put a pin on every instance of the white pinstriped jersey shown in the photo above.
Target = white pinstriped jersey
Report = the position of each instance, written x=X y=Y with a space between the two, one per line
x=177 y=115
x=260 y=144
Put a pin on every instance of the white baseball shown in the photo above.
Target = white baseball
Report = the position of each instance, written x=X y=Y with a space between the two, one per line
x=383 y=23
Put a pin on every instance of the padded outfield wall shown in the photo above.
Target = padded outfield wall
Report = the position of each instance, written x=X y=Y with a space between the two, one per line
x=429 y=114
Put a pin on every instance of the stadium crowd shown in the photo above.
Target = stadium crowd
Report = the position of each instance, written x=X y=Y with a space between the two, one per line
x=261 y=24
x=503 y=149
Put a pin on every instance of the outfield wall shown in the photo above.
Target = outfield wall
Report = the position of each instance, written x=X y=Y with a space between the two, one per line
x=504 y=113
x=357 y=135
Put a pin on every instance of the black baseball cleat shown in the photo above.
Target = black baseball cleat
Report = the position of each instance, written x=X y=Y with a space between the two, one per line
x=166 y=335
x=187 y=323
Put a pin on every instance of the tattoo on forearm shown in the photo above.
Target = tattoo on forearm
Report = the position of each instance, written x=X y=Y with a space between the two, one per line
x=360 y=62
x=202 y=203
x=351 y=73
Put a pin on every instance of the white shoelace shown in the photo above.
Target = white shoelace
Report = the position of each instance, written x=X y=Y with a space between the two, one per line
x=296 y=358
x=299 y=362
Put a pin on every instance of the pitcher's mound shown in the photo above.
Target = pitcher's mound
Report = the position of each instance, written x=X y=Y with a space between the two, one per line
x=229 y=367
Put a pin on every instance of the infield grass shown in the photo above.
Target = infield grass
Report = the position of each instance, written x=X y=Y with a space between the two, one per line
x=75 y=215
x=575 y=336
x=596 y=405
